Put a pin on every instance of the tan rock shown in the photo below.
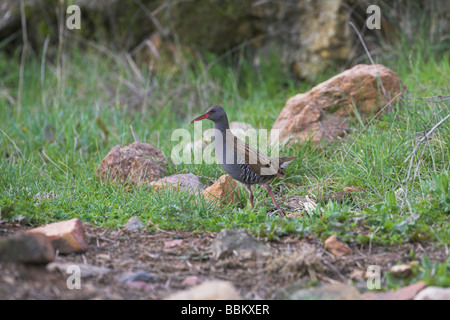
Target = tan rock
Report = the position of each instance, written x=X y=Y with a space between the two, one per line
x=208 y=290
x=337 y=247
x=33 y=248
x=322 y=112
x=224 y=190
x=136 y=163
x=65 y=236
x=351 y=189
x=401 y=270
x=295 y=215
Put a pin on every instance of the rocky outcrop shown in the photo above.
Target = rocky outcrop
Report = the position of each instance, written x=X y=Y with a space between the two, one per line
x=309 y=35
x=323 y=112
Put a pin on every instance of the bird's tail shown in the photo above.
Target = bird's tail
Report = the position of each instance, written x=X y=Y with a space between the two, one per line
x=285 y=161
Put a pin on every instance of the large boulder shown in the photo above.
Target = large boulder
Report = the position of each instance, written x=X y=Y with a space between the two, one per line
x=137 y=163
x=309 y=35
x=322 y=113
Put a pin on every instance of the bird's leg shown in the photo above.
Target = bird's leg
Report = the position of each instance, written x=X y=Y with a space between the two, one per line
x=273 y=200
x=250 y=193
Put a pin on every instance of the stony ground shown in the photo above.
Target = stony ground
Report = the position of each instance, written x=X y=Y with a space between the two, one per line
x=175 y=260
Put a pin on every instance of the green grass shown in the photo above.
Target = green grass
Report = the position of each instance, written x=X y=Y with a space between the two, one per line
x=50 y=150
x=434 y=274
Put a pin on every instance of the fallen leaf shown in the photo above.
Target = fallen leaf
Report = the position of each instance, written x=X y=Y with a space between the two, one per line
x=351 y=189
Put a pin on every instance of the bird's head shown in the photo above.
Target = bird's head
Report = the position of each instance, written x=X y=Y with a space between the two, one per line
x=214 y=113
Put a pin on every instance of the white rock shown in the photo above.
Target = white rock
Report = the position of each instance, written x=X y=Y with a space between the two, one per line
x=208 y=290
x=433 y=293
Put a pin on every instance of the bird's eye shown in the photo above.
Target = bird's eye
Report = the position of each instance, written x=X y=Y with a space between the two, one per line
x=212 y=111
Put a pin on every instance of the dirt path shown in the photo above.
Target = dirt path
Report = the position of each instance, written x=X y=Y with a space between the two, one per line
x=175 y=265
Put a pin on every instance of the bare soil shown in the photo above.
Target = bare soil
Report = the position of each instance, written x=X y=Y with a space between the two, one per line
x=172 y=262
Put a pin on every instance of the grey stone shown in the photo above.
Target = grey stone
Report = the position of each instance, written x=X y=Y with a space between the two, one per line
x=27 y=248
x=134 y=224
x=141 y=275
x=185 y=181
x=239 y=242
x=326 y=292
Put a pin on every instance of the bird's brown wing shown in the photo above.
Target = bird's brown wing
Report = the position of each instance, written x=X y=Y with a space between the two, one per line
x=258 y=162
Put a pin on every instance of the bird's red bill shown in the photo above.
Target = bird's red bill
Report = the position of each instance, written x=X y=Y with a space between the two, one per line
x=204 y=116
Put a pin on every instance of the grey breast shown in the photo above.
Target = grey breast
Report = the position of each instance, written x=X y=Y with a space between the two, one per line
x=225 y=154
